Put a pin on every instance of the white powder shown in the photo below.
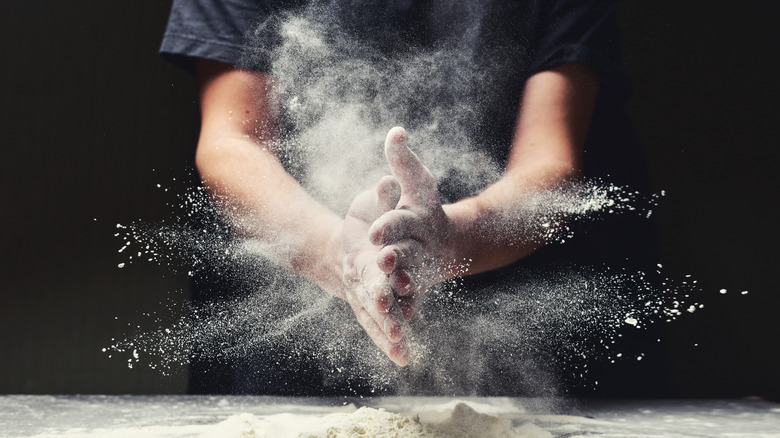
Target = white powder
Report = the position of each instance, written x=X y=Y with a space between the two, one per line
x=368 y=422
x=187 y=417
x=341 y=102
x=237 y=426
x=464 y=422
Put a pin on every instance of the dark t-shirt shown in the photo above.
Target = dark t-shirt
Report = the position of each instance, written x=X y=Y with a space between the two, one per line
x=513 y=40
x=554 y=32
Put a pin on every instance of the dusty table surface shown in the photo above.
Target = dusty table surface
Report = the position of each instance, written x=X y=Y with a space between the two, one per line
x=195 y=416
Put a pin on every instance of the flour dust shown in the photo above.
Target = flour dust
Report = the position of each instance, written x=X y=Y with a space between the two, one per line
x=341 y=88
x=507 y=337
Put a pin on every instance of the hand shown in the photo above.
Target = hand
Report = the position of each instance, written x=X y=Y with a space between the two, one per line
x=415 y=235
x=368 y=289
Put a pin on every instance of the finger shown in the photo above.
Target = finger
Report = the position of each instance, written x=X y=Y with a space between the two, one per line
x=387 y=259
x=396 y=225
x=388 y=193
x=407 y=307
x=415 y=179
x=409 y=303
x=363 y=207
x=371 y=204
x=398 y=352
x=406 y=253
x=402 y=283
x=378 y=300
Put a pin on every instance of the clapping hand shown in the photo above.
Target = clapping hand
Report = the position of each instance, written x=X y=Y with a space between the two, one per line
x=396 y=242
x=415 y=235
x=368 y=290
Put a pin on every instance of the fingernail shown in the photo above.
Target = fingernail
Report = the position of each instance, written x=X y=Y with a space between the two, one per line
x=399 y=135
x=401 y=354
x=375 y=236
x=396 y=332
x=390 y=260
x=383 y=303
x=404 y=281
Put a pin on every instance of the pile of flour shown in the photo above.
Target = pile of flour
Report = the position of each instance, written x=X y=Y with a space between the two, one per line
x=464 y=422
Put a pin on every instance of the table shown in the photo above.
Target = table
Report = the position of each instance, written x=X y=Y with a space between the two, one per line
x=204 y=416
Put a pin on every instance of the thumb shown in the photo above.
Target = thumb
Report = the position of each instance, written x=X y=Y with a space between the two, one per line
x=371 y=204
x=416 y=181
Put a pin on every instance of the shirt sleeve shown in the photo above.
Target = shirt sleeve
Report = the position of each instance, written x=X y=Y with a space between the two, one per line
x=580 y=31
x=210 y=29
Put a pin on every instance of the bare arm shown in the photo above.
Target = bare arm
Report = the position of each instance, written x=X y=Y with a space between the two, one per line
x=237 y=163
x=556 y=109
x=235 y=160
x=546 y=150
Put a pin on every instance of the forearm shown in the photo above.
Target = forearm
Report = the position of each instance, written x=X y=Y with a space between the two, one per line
x=238 y=164
x=262 y=201
x=499 y=227
x=258 y=197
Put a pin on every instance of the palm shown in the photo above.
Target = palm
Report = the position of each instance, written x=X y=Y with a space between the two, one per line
x=368 y=291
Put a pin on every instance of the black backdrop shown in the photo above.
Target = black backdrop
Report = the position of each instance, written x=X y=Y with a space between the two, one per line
x=91 y=120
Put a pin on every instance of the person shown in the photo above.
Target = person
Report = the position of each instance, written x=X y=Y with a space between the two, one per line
x=563 y=117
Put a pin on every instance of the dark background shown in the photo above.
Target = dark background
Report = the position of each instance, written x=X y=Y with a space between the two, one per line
x=91 y=120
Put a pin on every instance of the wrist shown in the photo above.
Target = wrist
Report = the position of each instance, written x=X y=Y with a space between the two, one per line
x=332 y=262
x=320 y=259
x=458 y=250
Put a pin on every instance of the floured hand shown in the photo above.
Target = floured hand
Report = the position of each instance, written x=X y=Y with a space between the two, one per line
x=415 y=235
x=367 y=288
